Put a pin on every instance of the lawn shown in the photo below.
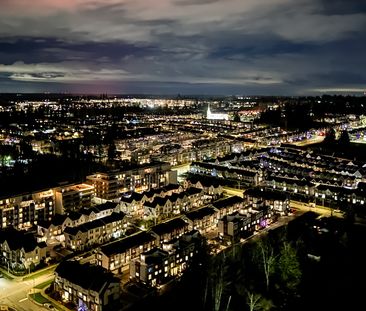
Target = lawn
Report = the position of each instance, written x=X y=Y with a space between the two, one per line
x=39 y=298
x=43 y=284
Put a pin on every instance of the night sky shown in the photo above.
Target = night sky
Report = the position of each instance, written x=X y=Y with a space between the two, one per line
x=263 y=47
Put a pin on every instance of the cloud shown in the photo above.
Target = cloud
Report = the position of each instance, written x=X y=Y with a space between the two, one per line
x=273 y=45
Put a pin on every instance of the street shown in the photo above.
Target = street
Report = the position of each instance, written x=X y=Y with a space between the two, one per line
x=232 y=191
x=14 y=292
x=325 y=211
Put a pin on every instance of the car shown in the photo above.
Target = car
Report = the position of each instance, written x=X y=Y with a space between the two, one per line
x=49 y=306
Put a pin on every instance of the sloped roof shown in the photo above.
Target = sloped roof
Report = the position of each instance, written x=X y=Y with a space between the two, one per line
x=120 y=246
x=169 y=226
x=87 y=276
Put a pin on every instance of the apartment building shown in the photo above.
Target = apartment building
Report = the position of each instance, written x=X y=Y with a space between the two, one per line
x=116 y=255
x=20 y=250
x=73 y=197
x=95 y=232
x=25 y=210
x=87 y=287
x=139 y=178
x=158 y=265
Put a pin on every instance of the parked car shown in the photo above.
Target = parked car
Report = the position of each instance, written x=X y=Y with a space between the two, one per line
x=49 y=306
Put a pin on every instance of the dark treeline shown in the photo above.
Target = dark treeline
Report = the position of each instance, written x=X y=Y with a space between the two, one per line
x=45 y=171
x=300 y=113
x=275 y=272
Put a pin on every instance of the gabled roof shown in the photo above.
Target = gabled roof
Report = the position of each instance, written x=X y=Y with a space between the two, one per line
x=169 y=226
x=88 y=277
x=124 y=244
x=193 y=191
x=265 y=194
x=57 y=220
x=171 y=187
x=227 y=202
x=17 y=240
x=158 y=201
x=206 y=181
x=200 y=213
x=137 y=197
x=97 y=223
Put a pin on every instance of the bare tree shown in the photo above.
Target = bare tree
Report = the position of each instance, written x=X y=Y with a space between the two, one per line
x=253 y=301
x=217 y=284
x=257 y=302
x=267 y=258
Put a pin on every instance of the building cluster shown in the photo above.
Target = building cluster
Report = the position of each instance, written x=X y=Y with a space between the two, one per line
x=164 y=251
x=132 y=216
x=295 y=173
x=23 y=211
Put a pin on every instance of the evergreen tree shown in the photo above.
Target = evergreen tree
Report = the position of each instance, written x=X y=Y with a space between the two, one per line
x=344 y=138
x=329 y=136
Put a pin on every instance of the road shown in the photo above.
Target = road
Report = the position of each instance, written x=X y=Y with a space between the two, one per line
x=233 y=191
x=310 y=141
x=14 y=292
x=322 y=210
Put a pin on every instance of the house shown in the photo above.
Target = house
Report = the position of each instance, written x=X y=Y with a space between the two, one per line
x=259 y=198
x=237 y=225
x=159 y=209
x=133 y=204
x=116 y=255
x=201 y=219
x=169 y=230
x=100 y=210
x=151 y=268
x=20 y=250
x=228 y=205
x=158 y=265
x=95 y=232
x=211 y=186
x=88 y=287
x=52 y=232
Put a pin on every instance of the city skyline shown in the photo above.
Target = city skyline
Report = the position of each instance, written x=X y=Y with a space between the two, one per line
x=182 y=46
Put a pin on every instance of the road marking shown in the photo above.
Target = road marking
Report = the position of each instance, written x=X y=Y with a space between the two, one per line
x=24 y=299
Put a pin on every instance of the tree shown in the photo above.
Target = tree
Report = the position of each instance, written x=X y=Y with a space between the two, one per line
x=267 y=258
x=256 y=302
x=236 y=117
x=217 y=283
x=344 y=138
x=26 y=148
x=329 y=136
x=112 y=151
x=289 y=267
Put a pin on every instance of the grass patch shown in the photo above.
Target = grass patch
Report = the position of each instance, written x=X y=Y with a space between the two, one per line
x=5 y=274
x=39 y=273
x=39 y=298
x=43 y=284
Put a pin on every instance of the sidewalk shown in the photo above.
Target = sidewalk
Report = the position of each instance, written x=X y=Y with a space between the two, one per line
x=42 y=292
x=38 y=272
x=21 y=278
